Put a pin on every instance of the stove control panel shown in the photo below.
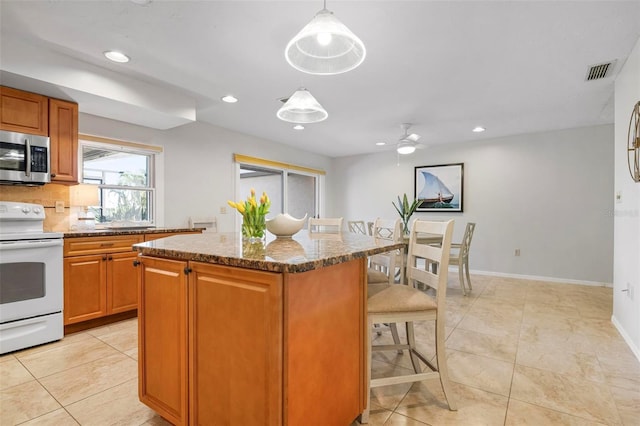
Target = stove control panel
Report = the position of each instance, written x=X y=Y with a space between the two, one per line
x=20 y=218
x=16 y=210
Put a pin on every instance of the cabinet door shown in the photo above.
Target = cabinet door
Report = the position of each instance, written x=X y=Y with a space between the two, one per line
x=85 y=288
x=235 y=327
x=63 y=135
x=163 y=338
x=23 y=112
x=122 y=282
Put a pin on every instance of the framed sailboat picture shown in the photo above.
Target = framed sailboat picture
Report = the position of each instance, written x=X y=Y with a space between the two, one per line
x=439 y=188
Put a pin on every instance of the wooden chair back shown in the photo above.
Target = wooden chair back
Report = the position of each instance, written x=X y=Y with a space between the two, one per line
x=387 y=262
x=424 y=256
x=466 y=241
x=325 y=225
x=357 y=227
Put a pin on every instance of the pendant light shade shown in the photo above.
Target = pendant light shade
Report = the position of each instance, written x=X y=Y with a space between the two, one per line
x=302 y=108
x=325 y=46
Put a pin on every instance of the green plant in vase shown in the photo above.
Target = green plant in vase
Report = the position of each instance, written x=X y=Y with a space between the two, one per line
x=253 y=215
x=405 y=210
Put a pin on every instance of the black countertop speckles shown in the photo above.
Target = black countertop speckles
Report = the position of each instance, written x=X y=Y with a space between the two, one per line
x=301 y=253
x=128 y=231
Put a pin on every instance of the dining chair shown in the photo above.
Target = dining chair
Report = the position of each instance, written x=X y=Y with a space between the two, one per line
x=459 y=256
x=381 y=272
x=405 y=303
x=325 y=225
x=382 y=267
x=357 y=227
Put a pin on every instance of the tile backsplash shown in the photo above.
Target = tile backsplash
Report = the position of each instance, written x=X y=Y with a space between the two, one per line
x=47 y=195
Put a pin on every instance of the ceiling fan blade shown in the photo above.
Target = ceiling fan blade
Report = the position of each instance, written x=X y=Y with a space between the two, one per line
x=413 y=137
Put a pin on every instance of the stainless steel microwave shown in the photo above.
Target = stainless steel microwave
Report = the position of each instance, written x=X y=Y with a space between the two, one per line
x=24 y=159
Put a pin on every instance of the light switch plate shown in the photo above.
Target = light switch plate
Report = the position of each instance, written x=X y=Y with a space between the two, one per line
x=59 y=206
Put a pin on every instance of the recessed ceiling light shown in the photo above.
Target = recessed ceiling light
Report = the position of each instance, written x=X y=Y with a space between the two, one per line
x=478 y=129
x=230 y=99
x=116 y=56
x=380 y=143
x=298 y=127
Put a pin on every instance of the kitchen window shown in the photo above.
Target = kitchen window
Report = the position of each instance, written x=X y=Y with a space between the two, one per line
x=125 y=175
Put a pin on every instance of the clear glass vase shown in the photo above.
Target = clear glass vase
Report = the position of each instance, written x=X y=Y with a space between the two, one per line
x=405 y=226
x=254 y=228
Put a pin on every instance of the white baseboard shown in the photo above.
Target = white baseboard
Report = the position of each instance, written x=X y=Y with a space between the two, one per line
x=539 y=278
x=625 y=336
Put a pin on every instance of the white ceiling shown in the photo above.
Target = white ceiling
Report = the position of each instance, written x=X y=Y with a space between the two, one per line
x=511 y=66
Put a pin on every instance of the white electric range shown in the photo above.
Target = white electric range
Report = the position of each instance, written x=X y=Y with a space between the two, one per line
x=31 y=282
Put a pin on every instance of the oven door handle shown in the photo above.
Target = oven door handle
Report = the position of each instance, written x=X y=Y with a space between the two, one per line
x=31 y=245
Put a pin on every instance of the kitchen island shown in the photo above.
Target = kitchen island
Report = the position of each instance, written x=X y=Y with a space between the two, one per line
x=272 y=333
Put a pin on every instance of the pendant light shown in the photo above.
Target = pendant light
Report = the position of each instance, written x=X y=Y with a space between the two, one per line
x=302 y=108
x=325 y=46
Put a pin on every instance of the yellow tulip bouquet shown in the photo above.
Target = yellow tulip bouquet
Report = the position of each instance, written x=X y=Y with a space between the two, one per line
x=253 y=215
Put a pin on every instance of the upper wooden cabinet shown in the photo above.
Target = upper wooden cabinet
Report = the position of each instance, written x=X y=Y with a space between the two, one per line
x=35 y=114
x=24 y=112
x=63 y=135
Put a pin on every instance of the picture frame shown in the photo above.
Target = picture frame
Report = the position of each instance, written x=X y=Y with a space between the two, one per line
x=439 y=188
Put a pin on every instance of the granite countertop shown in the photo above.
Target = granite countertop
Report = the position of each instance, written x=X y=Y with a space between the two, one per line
x=301 y=253
x=124 y=231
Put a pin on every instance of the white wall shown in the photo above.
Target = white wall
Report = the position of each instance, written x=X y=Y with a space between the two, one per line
x=626 y=310
x=548 y=194
x=196 y=173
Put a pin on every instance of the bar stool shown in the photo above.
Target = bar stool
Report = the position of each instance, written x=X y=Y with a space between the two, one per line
x=405 y=303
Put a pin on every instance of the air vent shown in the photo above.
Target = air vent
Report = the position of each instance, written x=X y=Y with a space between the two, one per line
x=599 y=71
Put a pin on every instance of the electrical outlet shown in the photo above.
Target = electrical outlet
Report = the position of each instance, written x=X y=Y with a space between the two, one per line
x=223 y=210
x=517 y=253
x=59 y=206
x=618 y=196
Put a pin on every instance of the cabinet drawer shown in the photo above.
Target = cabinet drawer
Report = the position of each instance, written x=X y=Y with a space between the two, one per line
x=96 y=245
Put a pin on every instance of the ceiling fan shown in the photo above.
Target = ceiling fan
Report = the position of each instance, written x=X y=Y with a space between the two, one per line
x=408 y=143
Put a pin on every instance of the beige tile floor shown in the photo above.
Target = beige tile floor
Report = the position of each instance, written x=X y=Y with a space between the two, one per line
x=519 y=353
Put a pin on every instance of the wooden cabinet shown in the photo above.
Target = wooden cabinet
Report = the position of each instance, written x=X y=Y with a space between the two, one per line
x=99 y=277
x=235 y=311
x=63 y=137
x=163 y=338
x=234 y=346
x=85 y=288
x=203 y=306
x=122 y=282
x=23 y=112
x=35 y=114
